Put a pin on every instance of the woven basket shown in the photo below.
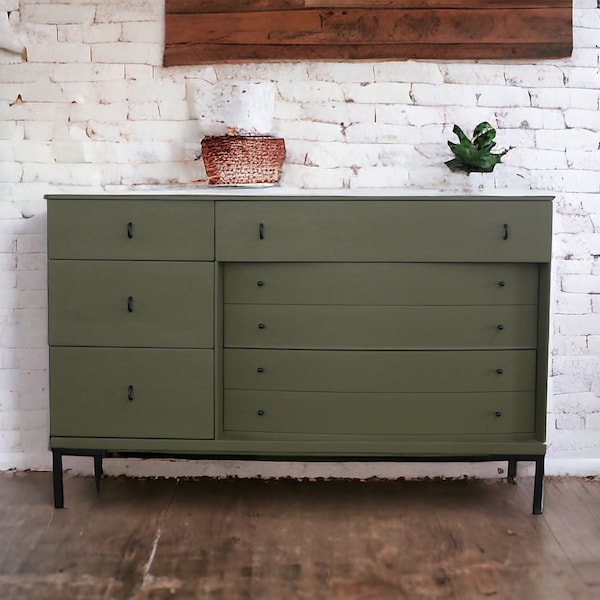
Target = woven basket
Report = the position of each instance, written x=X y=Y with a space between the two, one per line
x=238 y=159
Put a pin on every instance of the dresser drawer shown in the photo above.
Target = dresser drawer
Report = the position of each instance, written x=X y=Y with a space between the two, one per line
x=383 y=327
x=381 y=283
x=380 y=371
x=130 y=303
x=130 y=229
x=325 y=413
x=384 y=230
x=142 y=393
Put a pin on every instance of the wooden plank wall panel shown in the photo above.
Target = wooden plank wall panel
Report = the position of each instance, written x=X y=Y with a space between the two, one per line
x=210 y=31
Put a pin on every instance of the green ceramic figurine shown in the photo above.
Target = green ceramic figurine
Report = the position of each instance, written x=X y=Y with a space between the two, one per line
x=475 y=156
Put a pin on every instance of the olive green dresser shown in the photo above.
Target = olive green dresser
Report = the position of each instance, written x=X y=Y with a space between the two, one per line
x=298 y=327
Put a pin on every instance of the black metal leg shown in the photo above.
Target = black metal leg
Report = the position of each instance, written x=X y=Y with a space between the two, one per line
x=538 y=487
x=57 y=479
x=97 y=471
x=512 y=470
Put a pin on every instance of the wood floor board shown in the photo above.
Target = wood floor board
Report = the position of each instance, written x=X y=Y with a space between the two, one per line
x=273 y=539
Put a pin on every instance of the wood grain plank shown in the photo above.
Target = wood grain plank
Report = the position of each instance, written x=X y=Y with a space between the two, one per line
x=217 y=6
x=362 y=27
x=200 y=53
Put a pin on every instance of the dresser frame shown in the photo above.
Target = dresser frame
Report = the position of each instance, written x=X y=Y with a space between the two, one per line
x=315 y=447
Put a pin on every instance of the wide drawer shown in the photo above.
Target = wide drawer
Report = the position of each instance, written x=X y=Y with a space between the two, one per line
x=380 y=327
x=130 y=229
x=379 y=414
x=381 y=283
x=129 y=303
x=380 y=371
x=384 y=230
x=141 y=393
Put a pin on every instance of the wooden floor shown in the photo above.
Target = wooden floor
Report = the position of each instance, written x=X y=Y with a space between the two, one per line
x=281 y=540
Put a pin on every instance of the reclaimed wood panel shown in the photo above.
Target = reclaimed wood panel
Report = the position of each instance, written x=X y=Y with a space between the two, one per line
x=210 y=31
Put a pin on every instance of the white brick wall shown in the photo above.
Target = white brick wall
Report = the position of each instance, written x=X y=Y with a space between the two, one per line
x=93 y=110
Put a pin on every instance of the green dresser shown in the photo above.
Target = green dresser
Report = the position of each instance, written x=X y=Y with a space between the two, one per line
x=282 y=327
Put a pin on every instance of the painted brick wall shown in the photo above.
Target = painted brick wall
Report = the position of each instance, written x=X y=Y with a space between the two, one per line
x=92 y=110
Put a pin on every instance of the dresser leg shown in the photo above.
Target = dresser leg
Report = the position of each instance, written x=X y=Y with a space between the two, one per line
x=57 y=479
x=512 y=470
x=98 y=471
x=538 y=487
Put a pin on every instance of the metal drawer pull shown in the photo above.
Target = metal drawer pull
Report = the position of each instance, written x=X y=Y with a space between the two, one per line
x=130 y=304
x=130 y=392
x=500 y=327
x=499 y=371
x=505 y=236
x=130 y=230
x=260 y=413
x=501 y=283
x=261 y=325
x=261 y=231
x=498 y=413
x=260 y=370
x=260 y=283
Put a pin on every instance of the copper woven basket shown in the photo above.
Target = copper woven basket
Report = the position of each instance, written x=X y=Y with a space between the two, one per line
x=238 y=159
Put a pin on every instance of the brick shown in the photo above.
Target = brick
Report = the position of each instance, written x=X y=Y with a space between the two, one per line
x=127 y=52
x=58 y=13
x=582 y=119
x=142 y=32
x=569 y=138
x=559 y=98
x=592 y=421
x=469 y=73
x=409 y=72
x=434 y=95
x=380 y=93
x=502 y=96
x=113 y=11
x=570 y=422
x=59 y=52
x=95 y=33
x=529 y=118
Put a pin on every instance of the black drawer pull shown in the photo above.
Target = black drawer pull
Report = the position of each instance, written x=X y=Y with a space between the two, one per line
x=130 y=393
x=260 y=283
x=130 y=230
x=260 y=370
x=130 y=304
x=261 y=231
x=500 y=327
x=499 y=371
x=505 y=236
x=498 y=413
x=261 y=325
x=260 y=413
x=501 y=283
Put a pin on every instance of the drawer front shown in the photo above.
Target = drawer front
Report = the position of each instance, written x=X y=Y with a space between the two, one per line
x=380 y=371
x=132 y=304
x=129 y=229
x=379 y=414
x=381 y=283
x=399 y=327
x=142 y=393
x=377 y=230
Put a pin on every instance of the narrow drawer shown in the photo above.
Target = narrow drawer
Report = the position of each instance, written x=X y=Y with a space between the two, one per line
x=129 y=303
x=380 y=327
x=384 y=230
x=381 y=283
x=324 y=413
x=379 y=371
x=130 y=229
x=141 y=393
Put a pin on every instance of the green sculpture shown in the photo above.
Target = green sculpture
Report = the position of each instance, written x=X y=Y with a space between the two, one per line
x=475 y=156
